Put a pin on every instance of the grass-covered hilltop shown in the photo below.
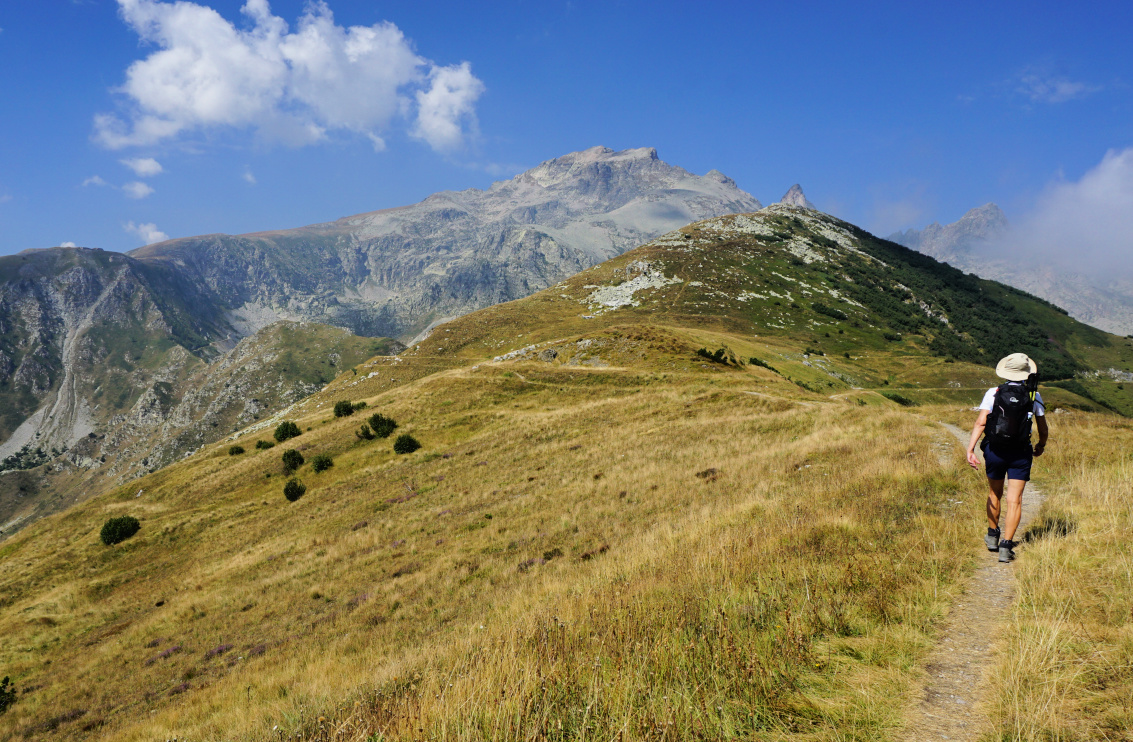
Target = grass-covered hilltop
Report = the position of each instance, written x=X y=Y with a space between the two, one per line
x=705 y=490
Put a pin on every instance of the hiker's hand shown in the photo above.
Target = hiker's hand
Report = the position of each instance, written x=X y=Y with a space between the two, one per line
x=1038 y=450
x=972 y=460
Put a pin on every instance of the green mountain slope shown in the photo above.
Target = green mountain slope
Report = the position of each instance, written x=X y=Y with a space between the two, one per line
x=604 y=528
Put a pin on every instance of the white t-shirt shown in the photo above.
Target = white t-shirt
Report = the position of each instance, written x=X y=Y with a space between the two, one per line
x=989 y=398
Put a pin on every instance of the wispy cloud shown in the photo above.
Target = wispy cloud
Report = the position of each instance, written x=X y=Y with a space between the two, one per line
x=208 y=74
x=249 y=177
x=143 y=167
x=5 y=198
x=1084 y=224
x=137 y=189
x=898 y=207
x=1040 y=87
x=95 y=180
x=148 y=231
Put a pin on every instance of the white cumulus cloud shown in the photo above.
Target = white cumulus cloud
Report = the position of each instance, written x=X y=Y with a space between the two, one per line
x=288 y=86
x=68 y=243
x=447 y=106
x=148 y=231
x=95 y=181
x=137 y=189
x=1086 y=224
x=144 y=167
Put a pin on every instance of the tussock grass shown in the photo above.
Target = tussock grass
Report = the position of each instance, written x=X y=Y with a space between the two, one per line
x=1066 y=666
x=791 y=592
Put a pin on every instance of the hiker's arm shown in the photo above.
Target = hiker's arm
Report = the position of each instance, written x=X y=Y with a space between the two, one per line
x=1043 y=432
x=977 y=431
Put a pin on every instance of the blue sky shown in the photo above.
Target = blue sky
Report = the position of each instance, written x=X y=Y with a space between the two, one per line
x=122 y=121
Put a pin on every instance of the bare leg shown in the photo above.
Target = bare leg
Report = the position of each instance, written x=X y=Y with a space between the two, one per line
x=993 y=497
x=1014 y=507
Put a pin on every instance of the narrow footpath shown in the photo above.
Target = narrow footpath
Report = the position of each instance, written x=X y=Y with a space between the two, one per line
x=948 y=706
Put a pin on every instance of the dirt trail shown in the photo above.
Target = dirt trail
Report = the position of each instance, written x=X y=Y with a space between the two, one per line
x=948 y=706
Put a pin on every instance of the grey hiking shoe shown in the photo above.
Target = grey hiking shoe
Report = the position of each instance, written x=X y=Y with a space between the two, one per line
x=1006 y=551
x=992 y=539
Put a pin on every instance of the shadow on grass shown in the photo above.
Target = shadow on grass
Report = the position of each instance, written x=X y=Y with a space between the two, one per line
x=1049 y=524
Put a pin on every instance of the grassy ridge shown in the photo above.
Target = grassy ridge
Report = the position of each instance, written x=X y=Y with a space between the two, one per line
x=388 y=566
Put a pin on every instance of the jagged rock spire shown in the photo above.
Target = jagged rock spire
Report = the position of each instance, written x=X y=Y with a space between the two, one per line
x=796 y=197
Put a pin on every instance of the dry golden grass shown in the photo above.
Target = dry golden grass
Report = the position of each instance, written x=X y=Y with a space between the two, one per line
x=789 y=592
x=1065 y=667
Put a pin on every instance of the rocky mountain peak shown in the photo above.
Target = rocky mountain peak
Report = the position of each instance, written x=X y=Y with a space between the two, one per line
x=795 y=197
x=948 y=241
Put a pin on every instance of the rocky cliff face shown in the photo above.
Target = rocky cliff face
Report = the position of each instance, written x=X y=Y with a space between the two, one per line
x=396 y=272
x=974 y=244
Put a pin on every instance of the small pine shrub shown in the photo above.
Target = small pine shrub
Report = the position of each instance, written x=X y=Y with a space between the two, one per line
x=294 y=489
x=892 y=337
x=762 y=364
x=285 y=430
x=359 y=406
x=117 y=530
x=829 y=311
x=382 y=426
x=405 y=443
x=235 y=450
x=264 y=445
x=322 y=462
x=292 y=459
x=342 y=408
x=7 y=694
x=364 y=433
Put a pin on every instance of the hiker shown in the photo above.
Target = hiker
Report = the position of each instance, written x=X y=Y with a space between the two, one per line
x=1005 y=423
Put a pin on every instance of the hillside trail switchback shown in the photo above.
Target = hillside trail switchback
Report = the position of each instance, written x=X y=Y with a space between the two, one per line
x=948 y=706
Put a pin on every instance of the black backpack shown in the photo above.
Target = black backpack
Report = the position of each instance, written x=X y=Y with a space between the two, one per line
x=1009 y=422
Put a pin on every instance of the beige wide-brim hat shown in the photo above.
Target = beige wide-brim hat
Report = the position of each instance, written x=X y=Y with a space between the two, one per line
x=1015 y=367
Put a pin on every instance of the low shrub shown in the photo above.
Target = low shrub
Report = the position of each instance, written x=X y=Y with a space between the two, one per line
x=285 y=430
x=117 y=530
x=7 y=694
x=892 y=337
x=405 y=443
x=294 y=489
x=292 y=459
x=720 y=356
x=895 y=397
x=235 y=450
x=829 y=311
x=343 y=408
x=322 y=462
x=364 y=433
x=381 y=425
x=762 y=364
x=264 y=445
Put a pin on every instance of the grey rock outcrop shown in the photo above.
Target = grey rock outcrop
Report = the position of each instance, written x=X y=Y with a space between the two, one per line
x=795 y=197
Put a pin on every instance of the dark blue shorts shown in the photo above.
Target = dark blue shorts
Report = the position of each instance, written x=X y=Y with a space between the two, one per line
x=1010 y=463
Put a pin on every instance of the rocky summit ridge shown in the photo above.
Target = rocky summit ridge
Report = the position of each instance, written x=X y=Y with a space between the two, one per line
x=795 y=197
x=398 y=271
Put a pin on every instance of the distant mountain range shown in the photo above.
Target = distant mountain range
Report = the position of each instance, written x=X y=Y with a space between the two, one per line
x=109 y=363
x=973 y=244
x=397 y=271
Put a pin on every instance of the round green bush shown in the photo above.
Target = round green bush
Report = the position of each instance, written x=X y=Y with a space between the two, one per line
x=294 y=489
x=263 y=445
x=381 y=425
x=322 y=462
x=286 y=429
x=292 y=459
x=235 y=450
x=342 y=408
x=405 y=443
x=117 y=530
